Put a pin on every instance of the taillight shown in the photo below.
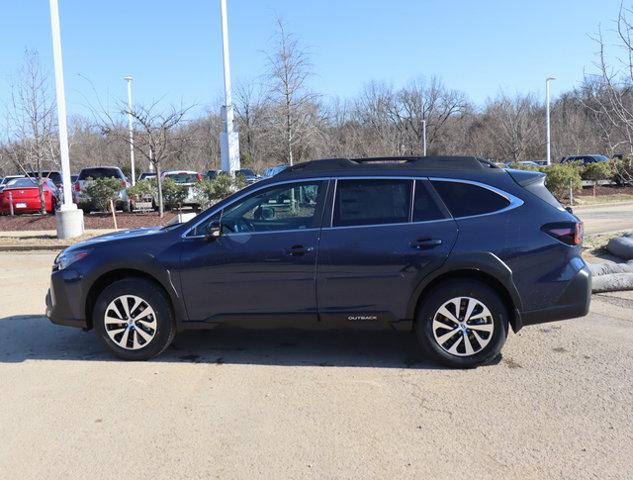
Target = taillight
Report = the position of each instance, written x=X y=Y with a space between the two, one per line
x=567 y=232
x=77 y=186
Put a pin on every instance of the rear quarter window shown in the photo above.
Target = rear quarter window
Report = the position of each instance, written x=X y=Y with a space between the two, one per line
x=466 y=199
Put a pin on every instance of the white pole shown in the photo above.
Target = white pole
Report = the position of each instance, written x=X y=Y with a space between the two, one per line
x=130 y=122
x=69 y=219
x=61 y=104
x=229 y=141
x=424 y=138
x=547 y=120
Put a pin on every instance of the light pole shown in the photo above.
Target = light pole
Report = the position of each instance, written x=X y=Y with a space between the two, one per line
x=69 y=219
x=130 y=121
x=229 y=140
x=547 y=120
x=424 y=138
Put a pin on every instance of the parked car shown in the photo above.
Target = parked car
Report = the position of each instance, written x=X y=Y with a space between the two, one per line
x=25 y=195
x=526 y=163
x=248 y=175
x=272 y=171
x=7 y=179
x=538 y=163
x=73 y=178
x=585 y=159
x=185 y=177
x=146 y=175
x=54 y=175
x=342 y=242
x=93 y=173
x=211 y=174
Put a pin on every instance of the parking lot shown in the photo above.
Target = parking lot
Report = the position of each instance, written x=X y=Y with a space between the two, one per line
x=233 y=403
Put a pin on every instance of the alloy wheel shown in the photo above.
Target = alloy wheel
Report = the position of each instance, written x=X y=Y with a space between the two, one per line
x=130 y=322
x=463 y=326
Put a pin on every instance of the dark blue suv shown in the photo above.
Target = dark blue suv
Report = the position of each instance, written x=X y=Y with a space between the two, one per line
x=452 y=248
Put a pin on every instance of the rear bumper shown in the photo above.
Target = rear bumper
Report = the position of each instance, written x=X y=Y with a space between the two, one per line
x=573 y=303
x=62 y=300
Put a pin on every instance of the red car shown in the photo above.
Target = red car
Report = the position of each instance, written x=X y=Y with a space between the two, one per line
x=24 y=194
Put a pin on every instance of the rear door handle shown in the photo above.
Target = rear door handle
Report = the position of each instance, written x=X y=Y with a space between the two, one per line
x=297 y=250
x=425 y=243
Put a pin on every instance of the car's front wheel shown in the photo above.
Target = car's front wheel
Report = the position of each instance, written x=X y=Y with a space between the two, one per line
x=134 y=319
x=462 y=323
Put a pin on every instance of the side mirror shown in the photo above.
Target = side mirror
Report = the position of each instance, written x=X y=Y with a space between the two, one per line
x=570 y=210
x=213 y=231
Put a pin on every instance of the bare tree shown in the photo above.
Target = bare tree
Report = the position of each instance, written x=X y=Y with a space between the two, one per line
x=426 y=101
x=513 y=124
x=289 y=68
x=252 y=112
x=30 y=117
x=159 y=135
x=609 y=95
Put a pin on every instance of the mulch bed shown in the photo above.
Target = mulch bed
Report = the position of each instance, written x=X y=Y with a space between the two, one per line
x=607 y=190
x=92 y=221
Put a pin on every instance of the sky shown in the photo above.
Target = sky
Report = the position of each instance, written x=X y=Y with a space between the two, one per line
x=173 y=48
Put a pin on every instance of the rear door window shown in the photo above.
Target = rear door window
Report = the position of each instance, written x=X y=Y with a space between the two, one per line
x=425 y=207
x=372 y=202
x=467 y=199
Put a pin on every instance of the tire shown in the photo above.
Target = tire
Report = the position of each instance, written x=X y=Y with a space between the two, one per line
x=485 y=331
x=147 y=336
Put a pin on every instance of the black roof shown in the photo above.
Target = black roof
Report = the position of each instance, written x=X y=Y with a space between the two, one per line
x=391 y=163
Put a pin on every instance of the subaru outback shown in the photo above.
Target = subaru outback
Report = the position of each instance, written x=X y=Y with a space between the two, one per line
x=454 y=249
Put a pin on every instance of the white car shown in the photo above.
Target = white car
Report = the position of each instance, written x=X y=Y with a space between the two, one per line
x=184 y=177
x=86 y=175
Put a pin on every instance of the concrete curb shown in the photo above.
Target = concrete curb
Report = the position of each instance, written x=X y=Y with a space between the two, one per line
x=602 y=205
x=26 y=248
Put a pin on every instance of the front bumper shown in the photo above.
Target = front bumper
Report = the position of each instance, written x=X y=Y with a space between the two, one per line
x=63 y=300
x=573 y=303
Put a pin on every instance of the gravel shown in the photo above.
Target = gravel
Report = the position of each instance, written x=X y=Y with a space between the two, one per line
x=233 y=403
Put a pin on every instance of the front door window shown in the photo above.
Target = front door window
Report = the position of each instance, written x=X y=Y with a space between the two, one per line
x=291 y=206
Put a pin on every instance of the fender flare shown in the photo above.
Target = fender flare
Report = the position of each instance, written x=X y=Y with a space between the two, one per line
x=481 y=262
x=146 y=265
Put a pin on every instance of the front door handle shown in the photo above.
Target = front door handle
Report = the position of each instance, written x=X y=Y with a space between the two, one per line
x=297 y=250
x=425 y=243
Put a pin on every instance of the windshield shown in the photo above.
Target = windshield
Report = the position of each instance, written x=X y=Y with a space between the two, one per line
x=183 y=177
x=56 y=177
x=22 y=183
x=247 y=172
x=96 y=173
x=6 y=180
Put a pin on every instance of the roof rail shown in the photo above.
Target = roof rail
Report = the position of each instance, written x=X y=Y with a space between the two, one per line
x=428 y=162
x=436 y=161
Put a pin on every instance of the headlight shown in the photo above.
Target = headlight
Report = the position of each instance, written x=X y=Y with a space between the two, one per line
x=65 y=258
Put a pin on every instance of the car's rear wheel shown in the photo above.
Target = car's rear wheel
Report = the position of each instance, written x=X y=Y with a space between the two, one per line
x=134 y=319
x=462 y=323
